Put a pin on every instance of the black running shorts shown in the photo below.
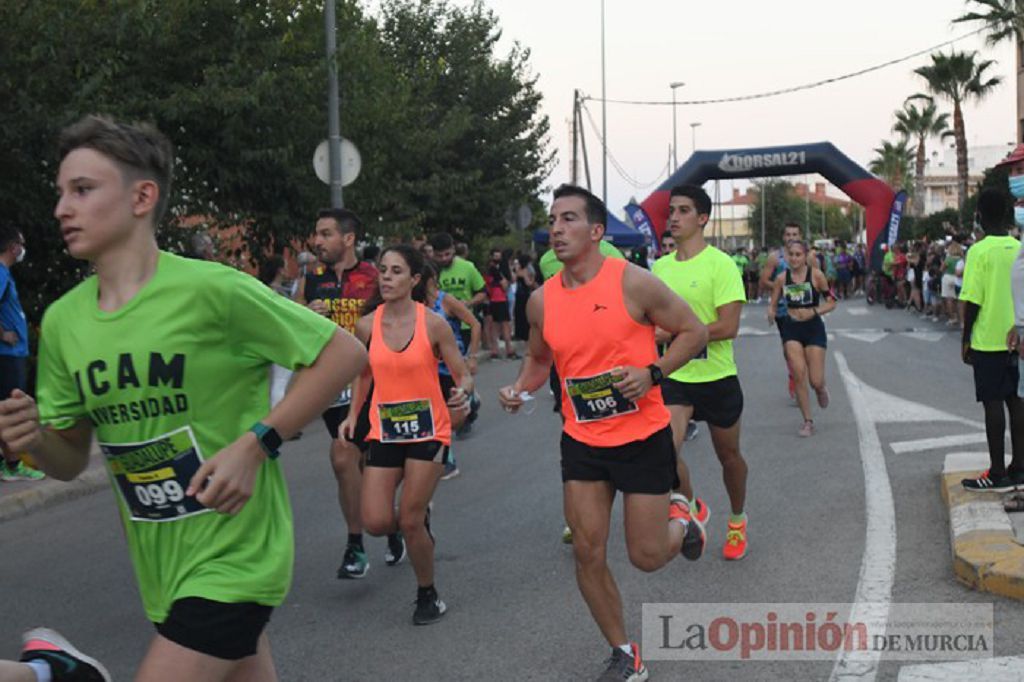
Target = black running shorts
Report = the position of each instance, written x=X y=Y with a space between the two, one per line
x=500 y=312
x=335 y=415
x=643 y=466
x=780 y=325
x=12 y=375
x=719 y=403
x=995 y=375
x=807 y=333
x=227 y=631
x=393 y=455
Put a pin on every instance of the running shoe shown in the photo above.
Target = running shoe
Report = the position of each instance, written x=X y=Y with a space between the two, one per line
x=735 y=541
x=987 y=484
x=823 y=398
x=429 y=609
x=807 y=430
x=691 y=430
x=700 y=511
x=354 y=565
x=450 y=471
x=695 y=538
x=20 y=473
x=623 y=667
x=67 y=664
x=567 y=536
x=395 y=553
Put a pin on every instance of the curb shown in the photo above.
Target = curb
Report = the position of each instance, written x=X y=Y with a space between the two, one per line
x=986 y=553
x=51 y=491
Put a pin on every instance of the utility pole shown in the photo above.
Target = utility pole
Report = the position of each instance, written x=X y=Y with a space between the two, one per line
x=575 y=138
x=333 y=107
x=604 y=117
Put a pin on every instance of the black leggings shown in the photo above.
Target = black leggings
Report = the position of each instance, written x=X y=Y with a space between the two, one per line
x=995 y=433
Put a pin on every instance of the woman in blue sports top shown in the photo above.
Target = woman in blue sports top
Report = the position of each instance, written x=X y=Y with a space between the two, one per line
x=808 y=297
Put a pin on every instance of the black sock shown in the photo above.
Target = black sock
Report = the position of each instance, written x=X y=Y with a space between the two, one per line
x=427 y=592
x=355 y=540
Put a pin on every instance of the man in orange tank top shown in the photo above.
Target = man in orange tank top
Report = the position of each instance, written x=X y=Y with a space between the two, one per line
x=595 y=321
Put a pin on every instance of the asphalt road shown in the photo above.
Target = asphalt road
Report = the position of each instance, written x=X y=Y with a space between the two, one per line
x=515 y=613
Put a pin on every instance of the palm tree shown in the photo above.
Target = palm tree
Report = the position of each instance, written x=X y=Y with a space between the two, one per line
x=892 y=163
x=1004 y=20
x=958 y=77
x=921 y=124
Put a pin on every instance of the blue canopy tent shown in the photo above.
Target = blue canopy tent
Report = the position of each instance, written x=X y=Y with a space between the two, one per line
x=617 y=232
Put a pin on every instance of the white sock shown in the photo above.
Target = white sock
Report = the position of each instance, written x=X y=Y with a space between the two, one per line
x=626 y=649
x=42 y=670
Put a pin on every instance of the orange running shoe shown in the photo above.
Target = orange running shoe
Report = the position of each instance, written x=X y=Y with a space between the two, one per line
x=735 y=547
x=702 y=513
x=695 y=538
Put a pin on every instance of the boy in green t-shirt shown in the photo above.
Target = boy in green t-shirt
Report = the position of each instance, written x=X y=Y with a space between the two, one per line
x=166 y=361
x=707 y=388
x=988 y=319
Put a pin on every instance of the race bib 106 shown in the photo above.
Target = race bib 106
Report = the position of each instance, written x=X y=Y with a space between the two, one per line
x=595 y=398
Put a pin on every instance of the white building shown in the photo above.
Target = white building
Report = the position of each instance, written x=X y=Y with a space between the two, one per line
x=940 y=172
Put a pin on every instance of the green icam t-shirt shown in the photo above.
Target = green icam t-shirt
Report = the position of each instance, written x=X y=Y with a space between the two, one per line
x=550 y=265
x=167 y=381
x=987 y=284
x=706 y=282
x=462 y=280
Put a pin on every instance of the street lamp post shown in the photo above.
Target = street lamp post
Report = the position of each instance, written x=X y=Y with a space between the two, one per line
x=675 y=146
x=693 y=134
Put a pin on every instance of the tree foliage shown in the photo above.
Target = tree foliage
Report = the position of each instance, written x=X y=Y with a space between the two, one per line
x=782 y=205
x=918 y=125
x=449 y=130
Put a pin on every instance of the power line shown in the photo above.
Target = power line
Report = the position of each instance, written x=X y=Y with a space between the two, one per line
x=618 y=166
x=798 y=88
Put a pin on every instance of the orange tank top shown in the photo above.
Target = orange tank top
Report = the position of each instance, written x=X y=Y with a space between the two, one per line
x=407 y=404
x=590 y=331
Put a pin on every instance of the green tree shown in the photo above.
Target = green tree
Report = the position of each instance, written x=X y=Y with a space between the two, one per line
x=960 y=78
x=892 y=163
x=920 y=124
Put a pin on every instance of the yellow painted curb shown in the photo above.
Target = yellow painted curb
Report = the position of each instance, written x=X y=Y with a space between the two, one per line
x=987 y=559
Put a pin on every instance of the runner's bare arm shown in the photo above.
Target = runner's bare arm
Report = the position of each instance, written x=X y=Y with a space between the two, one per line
x=62 y=454
x=479 y=297
x=453 y=307
x=300 y=292
x=361 y=384
x=727 y=326
x=443 y=339
x=536 y=365
x=767 y=270
x=829 y=302
x=230 y=475
x=773 y=305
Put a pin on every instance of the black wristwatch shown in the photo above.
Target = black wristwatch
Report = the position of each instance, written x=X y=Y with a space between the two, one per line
x=656 y=374
x=269 y=438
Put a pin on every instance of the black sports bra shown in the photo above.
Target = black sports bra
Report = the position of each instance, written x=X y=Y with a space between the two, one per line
x=801 y=294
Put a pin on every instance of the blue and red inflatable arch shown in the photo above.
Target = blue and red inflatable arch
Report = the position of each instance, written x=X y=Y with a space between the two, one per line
x=876 y=196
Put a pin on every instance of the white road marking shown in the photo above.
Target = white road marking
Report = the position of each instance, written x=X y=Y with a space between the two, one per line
x=857 y=311
x=1002 y=669
x=867 y=337
x=938 y=443
x=926 y=336
x=960 y=462
x=752 y=331
x=878 y=565
x=885 y=407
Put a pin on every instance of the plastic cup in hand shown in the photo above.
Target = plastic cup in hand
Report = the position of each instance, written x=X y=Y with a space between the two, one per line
x=529 y=403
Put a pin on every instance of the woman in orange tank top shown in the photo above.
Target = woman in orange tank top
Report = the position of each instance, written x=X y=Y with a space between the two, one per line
x=410 y=428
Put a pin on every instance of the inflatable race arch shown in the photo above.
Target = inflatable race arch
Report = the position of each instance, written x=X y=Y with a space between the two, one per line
x=883 y=207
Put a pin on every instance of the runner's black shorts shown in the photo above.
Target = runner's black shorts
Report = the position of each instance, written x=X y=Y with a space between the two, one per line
x=995 y=375
x=808 y=333
x=719 y=403
x=337 y=414
x=393 y=455
x=643 y=466
x=500 y=312
x=227 y=631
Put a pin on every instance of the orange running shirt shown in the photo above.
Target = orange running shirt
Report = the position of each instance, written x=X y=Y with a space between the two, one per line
x=407 y=404
x=590 y=331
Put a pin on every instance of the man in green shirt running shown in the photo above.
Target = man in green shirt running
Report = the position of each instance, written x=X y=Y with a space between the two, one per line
x=707 y=387
x=988 y=319
x=166 y=361
x=458 y=277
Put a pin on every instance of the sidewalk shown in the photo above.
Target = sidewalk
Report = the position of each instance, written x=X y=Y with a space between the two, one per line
x=986 y=552
x=18 y=498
